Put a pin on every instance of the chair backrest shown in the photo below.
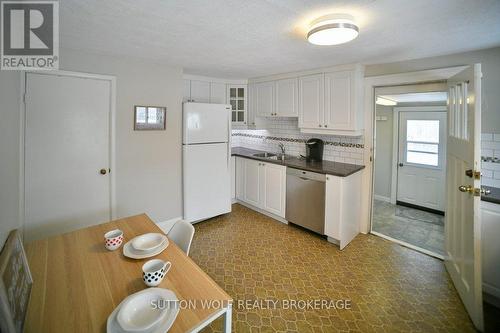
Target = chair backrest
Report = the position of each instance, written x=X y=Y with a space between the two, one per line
x=182 y=234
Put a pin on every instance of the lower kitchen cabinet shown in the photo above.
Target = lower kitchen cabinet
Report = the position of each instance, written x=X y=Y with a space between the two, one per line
x=342 y=208
x=261 y=184
x=490 y=215
x=233 y=178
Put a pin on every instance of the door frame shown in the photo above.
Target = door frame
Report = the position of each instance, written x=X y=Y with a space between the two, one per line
x=396 y=137
x=22 y=135
x=370 y=83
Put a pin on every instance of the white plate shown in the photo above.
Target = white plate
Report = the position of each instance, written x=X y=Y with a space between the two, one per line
x=129 y=251
x=163 y=326
x=148 y=242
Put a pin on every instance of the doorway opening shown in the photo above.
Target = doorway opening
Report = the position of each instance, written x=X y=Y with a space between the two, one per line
x=410 y=166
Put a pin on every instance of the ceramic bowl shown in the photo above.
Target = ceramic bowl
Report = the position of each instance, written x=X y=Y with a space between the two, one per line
x=113 y=239
x=137 y=313
x=153 y=271
x=148 y=242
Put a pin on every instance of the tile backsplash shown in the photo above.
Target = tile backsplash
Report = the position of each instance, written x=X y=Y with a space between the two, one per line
x=285 y=130
x=490 y=156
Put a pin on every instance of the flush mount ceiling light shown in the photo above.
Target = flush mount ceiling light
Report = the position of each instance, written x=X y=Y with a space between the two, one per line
x=385 y=101
x=332 y=30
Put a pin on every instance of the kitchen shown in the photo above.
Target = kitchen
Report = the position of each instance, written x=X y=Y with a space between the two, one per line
x=226 y=168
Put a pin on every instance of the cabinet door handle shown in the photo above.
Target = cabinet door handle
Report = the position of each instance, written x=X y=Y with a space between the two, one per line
x=326 y=126
x=319 y=125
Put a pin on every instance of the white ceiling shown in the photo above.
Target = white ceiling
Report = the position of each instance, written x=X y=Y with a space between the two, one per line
x=250 y=38
x=418 y=97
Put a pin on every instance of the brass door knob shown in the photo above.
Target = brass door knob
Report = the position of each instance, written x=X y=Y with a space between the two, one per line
x=466 y=188
x=102 y=171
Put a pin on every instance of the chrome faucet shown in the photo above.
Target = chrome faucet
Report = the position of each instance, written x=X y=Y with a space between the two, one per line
x=282 y=147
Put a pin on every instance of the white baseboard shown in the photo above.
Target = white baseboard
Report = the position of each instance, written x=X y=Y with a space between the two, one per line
x=271 y=215
x=382 y=198
x=167 y=225
x=492 y=294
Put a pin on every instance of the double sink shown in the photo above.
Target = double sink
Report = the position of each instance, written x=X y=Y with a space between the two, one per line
x=272 y=156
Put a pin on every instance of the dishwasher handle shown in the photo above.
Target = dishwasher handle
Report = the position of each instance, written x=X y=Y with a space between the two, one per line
x=306 y=175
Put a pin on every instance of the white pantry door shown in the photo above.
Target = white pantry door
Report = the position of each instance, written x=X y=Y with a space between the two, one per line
x=422 y=159
x=67 y=153
x=463 y=218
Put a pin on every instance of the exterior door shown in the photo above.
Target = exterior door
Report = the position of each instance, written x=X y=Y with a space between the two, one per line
x=422 y=162
x=463 y=217
x=67 y=154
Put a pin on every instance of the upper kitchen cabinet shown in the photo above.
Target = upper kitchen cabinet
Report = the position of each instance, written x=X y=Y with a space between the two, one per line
x=331 y=102
x=311 y=101
x=218 y=93
x=200 y=91
x=287 y=98
x=251 y=106
x=237 y=98
x=264 y=97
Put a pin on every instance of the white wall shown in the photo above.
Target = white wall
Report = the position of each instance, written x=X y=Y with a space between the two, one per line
x=148 y=163
x=490 y=61
x=383 y=149
x=148 y=172
x=9 y=152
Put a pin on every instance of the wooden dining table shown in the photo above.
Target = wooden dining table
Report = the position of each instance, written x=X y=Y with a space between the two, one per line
x=78 y=282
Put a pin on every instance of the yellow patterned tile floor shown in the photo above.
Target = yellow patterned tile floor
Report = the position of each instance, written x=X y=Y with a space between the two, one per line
x=390 y=288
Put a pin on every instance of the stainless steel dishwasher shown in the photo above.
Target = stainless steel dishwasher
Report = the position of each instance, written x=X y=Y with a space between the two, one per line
x=305 y=199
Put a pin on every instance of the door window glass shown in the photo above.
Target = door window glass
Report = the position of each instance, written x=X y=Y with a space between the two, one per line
x=422 y=142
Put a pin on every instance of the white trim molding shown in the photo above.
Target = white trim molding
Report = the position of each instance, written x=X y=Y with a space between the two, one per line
x=372 y=82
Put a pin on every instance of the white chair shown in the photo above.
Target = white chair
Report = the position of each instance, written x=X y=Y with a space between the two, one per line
x=182 y=234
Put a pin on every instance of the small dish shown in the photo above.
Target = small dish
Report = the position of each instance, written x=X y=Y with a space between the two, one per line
x=166 y=301
x=148 y=242
x=113 y=239
x=153 y=271
x=129 y=251
x=137 y=313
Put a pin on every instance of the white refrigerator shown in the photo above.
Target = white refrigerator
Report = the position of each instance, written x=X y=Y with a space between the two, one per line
x=206 y=156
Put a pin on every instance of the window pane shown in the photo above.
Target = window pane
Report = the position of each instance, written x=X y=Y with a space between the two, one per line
x=422 y=158
x=233 y=116
x=241 y=104
x=241 y=116
x=233 y=105
x=423 y=147
x=232 y=92
x=422 y=130
x=152 y=115
x=140 y=115
x=241 y=92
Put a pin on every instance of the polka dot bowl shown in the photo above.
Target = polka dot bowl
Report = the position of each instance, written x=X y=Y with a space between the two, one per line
x=113 y=239
x=153 y=271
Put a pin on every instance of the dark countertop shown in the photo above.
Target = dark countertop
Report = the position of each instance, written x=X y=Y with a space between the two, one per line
x=326 y=167
x=493 y=197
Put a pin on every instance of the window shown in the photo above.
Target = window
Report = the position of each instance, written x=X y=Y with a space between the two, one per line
x=422 y=142
x=149 y=118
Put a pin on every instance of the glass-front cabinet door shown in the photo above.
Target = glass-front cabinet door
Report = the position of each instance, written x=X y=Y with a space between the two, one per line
x=237 y=95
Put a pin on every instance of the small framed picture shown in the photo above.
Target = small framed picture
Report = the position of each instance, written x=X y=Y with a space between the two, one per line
x=149 y=118
x=15 y=285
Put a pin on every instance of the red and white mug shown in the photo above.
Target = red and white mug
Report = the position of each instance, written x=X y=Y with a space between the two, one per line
x=113 y=239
